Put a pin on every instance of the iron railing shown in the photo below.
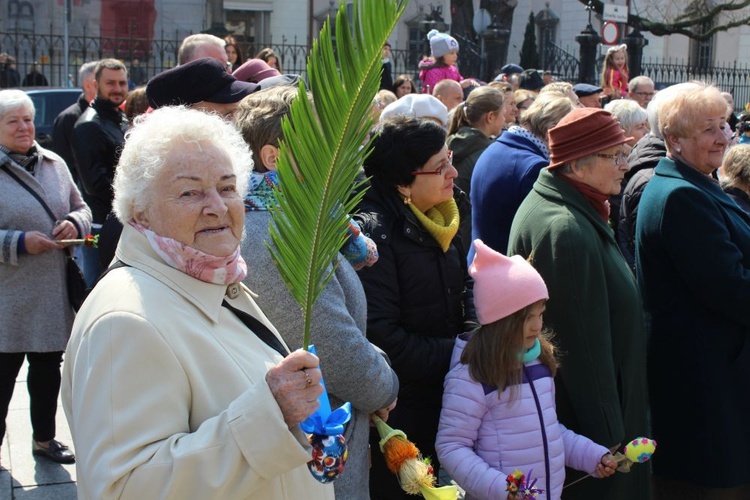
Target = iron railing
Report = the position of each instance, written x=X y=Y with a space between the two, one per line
x=158 y=54
x=154 y=55
x=733 y=78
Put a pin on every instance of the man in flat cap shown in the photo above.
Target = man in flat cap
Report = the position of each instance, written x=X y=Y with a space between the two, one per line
x=201 y=84
x=509 y=73
x=589 y=95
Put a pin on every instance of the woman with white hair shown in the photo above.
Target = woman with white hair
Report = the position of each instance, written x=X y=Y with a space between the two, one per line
x=633 y=118
x=39 y=206
x=634 y=121
x=176 y=385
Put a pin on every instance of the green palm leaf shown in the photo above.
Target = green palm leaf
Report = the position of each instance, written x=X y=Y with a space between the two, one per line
x=325 y=147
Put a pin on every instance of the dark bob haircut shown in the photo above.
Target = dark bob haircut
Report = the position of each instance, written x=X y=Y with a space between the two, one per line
x=402 y=145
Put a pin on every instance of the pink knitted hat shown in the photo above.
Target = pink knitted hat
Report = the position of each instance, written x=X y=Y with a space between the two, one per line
x=503 y=285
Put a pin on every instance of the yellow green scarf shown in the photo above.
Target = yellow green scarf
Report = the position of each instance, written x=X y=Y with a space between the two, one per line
x=441 y=221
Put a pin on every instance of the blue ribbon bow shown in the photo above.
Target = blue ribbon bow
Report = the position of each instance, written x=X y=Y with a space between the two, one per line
x=325 y=422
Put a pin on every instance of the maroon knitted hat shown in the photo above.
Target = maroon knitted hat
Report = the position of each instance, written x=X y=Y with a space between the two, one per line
x=582 y=132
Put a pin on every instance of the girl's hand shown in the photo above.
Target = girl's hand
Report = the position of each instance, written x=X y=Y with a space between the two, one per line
x=606 y=467
x=469 y=82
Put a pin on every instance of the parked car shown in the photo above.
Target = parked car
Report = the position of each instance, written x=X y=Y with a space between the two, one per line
x=49 y=102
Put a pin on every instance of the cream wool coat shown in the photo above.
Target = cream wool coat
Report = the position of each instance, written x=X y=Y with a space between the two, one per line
x=165 y=392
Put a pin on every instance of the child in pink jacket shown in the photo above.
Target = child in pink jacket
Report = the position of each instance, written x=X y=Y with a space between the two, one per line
x=442 y=64
x=499 y=401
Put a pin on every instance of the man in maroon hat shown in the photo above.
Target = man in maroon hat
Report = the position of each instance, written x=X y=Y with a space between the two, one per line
x=201 y=84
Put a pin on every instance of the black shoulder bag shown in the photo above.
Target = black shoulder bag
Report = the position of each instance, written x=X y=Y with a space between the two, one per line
x=73 y=276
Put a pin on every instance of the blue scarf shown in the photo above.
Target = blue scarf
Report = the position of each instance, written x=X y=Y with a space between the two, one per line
x=532 y=352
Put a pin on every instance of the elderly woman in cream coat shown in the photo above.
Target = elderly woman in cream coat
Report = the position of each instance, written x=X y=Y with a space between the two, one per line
x=35 y=317
x=176 y=385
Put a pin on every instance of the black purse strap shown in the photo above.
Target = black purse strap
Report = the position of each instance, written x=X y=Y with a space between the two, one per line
x=41 y=201
x=254 y=324
x=259 y=329
x=31 y=191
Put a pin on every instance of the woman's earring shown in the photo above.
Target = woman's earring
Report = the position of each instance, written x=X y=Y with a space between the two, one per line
x=407 y=200
x=678 y=149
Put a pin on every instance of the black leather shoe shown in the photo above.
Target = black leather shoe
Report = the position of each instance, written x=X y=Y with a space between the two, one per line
x=55 y=451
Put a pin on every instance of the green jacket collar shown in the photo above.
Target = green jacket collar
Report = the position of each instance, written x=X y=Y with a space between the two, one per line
x=551 y=186
x=668 y=167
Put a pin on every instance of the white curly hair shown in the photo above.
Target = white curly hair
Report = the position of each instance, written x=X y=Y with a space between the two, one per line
x=155 y=135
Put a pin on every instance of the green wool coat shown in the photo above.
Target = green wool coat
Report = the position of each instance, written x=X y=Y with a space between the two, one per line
x=595 y=311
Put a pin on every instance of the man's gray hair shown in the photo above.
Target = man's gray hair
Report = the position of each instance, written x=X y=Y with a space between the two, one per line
x=638 y=81
x=627 y=111
x=192 y=43
x=86 y=71
x=153 y=139
x=12 y=99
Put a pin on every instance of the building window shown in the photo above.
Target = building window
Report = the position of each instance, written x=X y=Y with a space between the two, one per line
x=251 y=26
x=546 y=22
x=702 y=51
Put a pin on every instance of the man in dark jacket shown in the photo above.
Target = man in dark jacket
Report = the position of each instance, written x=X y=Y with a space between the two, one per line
x=642 y=160
x=98 y=136
x=62 y=129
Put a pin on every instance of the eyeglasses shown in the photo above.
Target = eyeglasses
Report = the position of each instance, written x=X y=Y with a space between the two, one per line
x=439 y=171
x=619 y=158
x=648 y=94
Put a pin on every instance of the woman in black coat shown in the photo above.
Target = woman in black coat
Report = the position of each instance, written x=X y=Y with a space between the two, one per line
x=419 y=291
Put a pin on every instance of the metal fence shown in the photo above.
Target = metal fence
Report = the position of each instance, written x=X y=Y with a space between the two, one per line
x=733 y=78
x=154 y=55
x=158 y=54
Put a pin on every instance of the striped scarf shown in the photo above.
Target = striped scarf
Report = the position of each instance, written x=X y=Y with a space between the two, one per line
x=26 y=161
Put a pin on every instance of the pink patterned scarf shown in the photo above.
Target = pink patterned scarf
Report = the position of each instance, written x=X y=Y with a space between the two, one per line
x=193 y=262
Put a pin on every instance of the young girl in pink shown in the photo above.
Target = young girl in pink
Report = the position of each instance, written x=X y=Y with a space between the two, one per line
x=615 y=72
x=442 y=64
x=498 y=410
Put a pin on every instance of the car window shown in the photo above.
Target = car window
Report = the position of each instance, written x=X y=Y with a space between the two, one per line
x=40 y=107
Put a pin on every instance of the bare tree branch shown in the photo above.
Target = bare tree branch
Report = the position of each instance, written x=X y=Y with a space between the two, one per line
x=690 y=23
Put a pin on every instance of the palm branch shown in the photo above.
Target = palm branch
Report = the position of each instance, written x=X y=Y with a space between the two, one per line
x=324 y=148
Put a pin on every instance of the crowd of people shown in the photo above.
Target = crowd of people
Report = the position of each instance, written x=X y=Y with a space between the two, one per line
x=537 y=274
